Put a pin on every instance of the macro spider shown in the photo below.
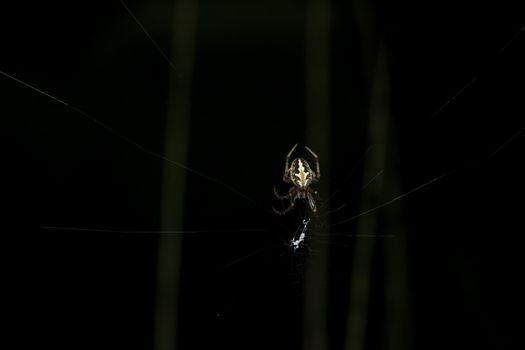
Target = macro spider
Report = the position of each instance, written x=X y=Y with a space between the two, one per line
x=301 y=176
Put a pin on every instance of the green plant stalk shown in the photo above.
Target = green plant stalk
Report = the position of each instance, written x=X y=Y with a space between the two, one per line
x=174 y=178
x=318 y=131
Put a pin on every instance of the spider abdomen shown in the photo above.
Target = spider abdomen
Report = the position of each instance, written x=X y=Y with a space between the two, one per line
x=300 y=173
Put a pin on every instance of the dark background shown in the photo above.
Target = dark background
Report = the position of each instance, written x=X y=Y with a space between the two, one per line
x=74 y=288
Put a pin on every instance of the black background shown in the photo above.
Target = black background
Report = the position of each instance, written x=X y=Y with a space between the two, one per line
x=89 y=289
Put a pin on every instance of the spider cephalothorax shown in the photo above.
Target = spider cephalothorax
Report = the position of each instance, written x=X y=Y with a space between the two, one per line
x=301 y=176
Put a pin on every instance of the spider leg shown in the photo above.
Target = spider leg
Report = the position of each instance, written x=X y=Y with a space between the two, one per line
x=311 y=201
x=286 y=176
x=279 y=196
x=282 y=212
x=317 y=167
x=292 y=195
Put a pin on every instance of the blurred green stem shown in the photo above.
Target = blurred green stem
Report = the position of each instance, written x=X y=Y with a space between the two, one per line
x=173 y=187
x=367 y=226
x=318 y=130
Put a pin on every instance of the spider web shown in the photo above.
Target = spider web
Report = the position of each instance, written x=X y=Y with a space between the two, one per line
x=215 y=187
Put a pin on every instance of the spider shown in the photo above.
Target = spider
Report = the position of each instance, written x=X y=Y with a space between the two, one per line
x=301 y=176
